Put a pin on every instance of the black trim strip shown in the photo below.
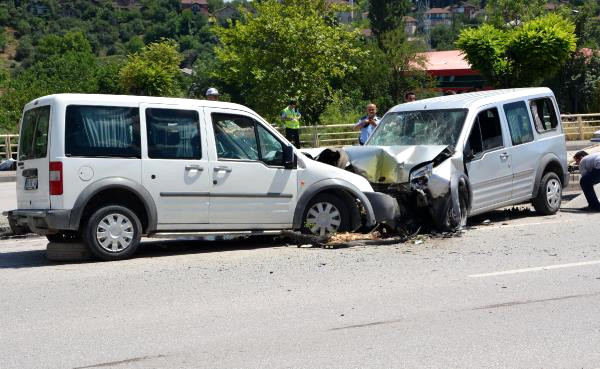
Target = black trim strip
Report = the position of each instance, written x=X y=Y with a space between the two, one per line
x=184 y=194
x=282 y=195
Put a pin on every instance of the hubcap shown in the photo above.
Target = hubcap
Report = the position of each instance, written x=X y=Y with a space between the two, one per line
x=553 y=193
x=114 y=232
x=323 y=218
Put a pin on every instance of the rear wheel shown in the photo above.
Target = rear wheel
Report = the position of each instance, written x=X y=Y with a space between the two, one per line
x=549 y=195
x=326 y=214
x=113 y=233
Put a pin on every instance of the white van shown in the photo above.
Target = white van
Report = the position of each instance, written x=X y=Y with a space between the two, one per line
x=461 y=155
x=109 y=169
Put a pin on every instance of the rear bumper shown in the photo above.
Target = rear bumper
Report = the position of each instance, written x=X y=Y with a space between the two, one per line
x=41 y=221
x=385 y=207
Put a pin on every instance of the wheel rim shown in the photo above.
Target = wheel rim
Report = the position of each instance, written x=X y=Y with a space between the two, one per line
x=114 y=232
x=553 y=193
x=323 y=218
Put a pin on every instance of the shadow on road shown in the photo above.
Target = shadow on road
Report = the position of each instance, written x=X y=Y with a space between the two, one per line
x=148 y=249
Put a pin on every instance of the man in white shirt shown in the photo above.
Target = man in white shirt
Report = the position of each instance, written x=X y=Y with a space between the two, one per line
x=367 y=124
x=589 y=167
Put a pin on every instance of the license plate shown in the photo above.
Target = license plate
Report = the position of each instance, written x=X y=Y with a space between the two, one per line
x=31 y=183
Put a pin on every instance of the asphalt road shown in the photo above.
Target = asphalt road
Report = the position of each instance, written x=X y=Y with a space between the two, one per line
x=521 y=292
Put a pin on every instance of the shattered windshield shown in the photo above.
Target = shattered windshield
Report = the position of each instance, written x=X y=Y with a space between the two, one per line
x=425 y=127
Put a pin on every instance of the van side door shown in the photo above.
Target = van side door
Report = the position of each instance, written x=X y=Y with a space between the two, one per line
x=523 y=151
x=250 y=188
x=488 y=162
x=175 y=166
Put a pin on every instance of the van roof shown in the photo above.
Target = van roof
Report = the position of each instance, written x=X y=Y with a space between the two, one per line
x=100 y=99
x=471 y=99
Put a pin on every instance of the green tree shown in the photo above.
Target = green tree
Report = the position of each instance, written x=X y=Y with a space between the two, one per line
x=577 y=85
x=286 y=49
x=522 y=56
x=511 y=13
x=386 y=15
x=154 y=71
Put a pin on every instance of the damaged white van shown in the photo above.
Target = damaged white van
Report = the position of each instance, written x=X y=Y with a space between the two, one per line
x=108 y=169
x=462 y=155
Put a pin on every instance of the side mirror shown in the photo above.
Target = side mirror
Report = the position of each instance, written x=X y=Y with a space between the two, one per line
x=289 y=159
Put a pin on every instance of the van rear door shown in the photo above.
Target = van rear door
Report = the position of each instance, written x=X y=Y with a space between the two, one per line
x=33 y=161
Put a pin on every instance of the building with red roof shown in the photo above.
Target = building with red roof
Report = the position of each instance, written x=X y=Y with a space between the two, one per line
x=453 y=72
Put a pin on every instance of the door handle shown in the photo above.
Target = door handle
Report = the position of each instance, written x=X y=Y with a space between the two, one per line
x=504 y=155
x=194 y=167
x=222 y=169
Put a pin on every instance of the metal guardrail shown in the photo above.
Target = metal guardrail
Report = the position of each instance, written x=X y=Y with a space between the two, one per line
x=576 y=127
x=8 y=146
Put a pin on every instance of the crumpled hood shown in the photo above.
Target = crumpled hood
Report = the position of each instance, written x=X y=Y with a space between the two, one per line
x=390 y=164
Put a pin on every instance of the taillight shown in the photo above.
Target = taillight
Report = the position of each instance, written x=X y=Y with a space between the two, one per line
x=56 y=178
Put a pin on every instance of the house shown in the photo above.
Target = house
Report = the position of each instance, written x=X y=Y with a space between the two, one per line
x=197 y=6
x=453 y=72
x=126 y=3
x=435 y=16
x=226 y=12
x=345 y=13
x=410 y=25
x=38 y=8
x=467 y=10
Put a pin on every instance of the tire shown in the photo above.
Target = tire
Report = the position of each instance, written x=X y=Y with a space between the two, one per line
x=549 y=196
x=113 y=232
x=447 y=220
x=326 y=214
x=64 y=237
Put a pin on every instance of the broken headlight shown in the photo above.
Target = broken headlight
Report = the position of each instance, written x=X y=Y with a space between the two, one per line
x=420 y=176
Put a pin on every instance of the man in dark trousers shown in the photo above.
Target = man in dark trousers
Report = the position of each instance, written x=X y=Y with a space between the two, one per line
x=290 y=117
x=589 y=167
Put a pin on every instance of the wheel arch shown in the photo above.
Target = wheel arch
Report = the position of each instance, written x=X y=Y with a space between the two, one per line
x=346 y=191
x=118 y=191
x=549 y=163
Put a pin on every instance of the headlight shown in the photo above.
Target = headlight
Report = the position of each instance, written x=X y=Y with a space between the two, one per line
x=420 y=177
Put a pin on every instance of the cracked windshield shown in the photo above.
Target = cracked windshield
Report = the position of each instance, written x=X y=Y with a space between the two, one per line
x=425 y=127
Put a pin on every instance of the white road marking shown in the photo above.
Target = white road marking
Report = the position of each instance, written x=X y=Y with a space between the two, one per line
x=536 y=269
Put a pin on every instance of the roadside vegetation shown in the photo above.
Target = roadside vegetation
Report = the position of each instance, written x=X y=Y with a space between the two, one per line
x=262 y=53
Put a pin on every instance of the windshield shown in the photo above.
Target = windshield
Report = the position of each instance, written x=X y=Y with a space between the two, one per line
x=425 y=127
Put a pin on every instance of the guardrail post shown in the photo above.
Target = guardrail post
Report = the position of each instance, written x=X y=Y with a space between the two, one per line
x=7 y=147
x=315 y=136
x=580 y=127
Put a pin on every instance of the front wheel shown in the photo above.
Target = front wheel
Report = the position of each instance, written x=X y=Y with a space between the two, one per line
x=448 y=220
x=113 y=233
x=326 y=214
x=549 y=196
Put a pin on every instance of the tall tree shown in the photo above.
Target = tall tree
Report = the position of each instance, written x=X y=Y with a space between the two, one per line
x=511 y=13
x=522 y=56
x=386 y=15
x=154 y=71
x=286 y=49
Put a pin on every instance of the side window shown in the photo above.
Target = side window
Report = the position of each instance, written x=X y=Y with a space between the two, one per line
x=33 y=140
x=235 y=137
x=544 y=115
x=271 y=149
x=102 y=131
x=518 y=122
x=486 y=133
x=173 y=134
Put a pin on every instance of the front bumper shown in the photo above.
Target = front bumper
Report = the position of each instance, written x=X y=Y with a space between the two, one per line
x=385 y=207
x=41 y=221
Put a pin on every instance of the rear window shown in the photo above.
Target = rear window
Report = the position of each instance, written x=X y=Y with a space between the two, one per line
x=102 y=131
x=33 y=141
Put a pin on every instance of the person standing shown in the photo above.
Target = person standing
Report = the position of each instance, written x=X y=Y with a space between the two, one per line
x=212 y=94
x=291 y=121
x=589 y=167
x=367 y=124
x=410 y=96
